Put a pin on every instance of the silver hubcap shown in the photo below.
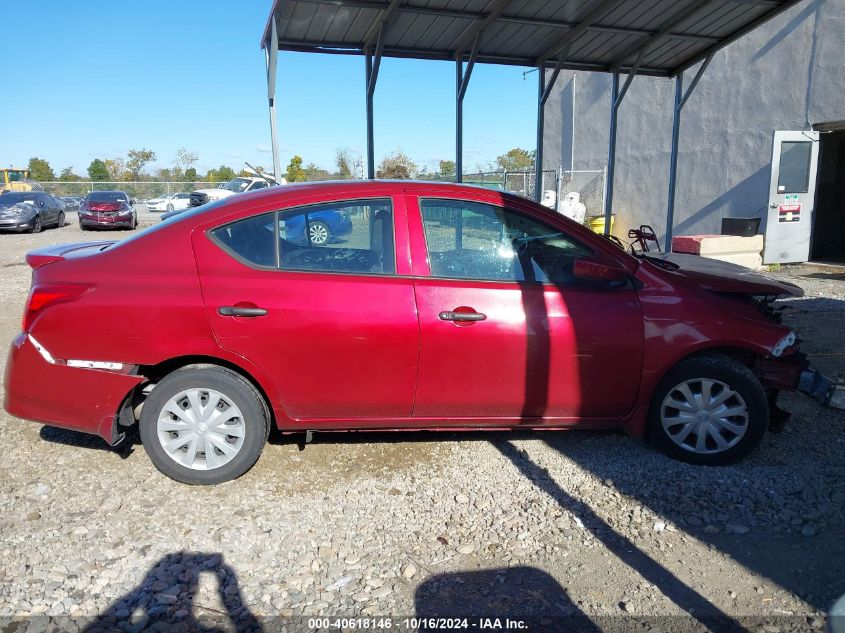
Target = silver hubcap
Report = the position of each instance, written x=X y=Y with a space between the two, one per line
x=704 y=416
x=318 y=233
x=201 y=429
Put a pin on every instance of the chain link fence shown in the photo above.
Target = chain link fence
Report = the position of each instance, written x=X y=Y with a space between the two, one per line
x=139 y=190
x=590 y=185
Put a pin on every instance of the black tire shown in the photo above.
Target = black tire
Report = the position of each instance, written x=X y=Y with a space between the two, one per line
x=134 y=223
x=36 y=224
x=82 y=227
x=724 y=370
x=61 y=221
x=318 y=233
x=234 y=387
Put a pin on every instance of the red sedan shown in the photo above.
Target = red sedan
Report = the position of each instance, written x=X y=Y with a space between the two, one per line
x=444 y=307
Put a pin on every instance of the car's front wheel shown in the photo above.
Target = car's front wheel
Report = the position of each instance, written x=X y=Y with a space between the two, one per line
x=36 y=224
x=204 y=424
x=709 y=409
x=61 y=221
x=170 y=207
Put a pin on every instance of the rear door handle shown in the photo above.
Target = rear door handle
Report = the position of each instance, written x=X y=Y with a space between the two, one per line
x=238 y=311
x=461 y=316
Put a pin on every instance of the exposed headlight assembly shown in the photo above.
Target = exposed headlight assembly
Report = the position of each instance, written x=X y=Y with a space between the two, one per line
x=784 y=344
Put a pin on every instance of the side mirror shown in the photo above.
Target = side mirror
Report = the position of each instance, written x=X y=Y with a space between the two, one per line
x=596 y=269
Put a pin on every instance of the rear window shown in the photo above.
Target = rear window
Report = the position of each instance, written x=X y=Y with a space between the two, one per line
x=14 y=198
x=107 y=196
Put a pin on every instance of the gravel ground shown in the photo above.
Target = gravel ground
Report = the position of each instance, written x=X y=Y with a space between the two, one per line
x=551 y=528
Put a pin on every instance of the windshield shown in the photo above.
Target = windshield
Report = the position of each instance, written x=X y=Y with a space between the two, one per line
x=107 y=196
x=236 y=184
x=16 y=174
x=14 y=198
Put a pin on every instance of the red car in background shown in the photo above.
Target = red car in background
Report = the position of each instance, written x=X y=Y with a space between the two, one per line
x=107 y=209
x=443 y=307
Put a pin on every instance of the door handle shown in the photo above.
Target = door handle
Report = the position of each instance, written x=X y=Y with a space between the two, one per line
x=461 y=316
x=772 y=205
x=239 y=311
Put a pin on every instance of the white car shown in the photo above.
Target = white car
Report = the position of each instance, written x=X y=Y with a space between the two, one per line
x=241 y=184
x=170 y=202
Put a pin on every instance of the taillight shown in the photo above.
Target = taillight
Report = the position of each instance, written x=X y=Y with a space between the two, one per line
x=43 y=295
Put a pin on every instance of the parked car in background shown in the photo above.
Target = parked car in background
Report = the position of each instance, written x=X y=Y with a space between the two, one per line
x=30 y=211
x=319 y=228
x=170 y=202
x=107 y=209
x=70 y=203
x=241 y=184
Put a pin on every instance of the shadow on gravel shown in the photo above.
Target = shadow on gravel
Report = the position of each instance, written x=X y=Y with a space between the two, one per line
x=86 y=440
x=517 y=594
x=696 y=605
x=167 y=599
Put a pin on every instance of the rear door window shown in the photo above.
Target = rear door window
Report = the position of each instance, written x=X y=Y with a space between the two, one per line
x=346 y=237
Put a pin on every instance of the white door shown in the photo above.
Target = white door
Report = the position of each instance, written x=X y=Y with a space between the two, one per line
x=792 y=194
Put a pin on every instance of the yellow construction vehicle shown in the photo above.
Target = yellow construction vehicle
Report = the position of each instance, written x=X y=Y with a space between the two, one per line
x=15 y=179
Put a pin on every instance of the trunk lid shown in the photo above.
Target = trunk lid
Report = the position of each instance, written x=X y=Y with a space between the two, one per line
x=722 y=277
x=59 y=252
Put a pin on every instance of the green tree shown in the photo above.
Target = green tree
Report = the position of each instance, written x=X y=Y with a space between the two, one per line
x=295 y=172
x=164 y=174
x=446 y=170
x=220 y=174
x=116 y=167
x=516 y=159
x=190 y=175
x=344 y=162
x=97 y=170
x=137 y=159
x=67 y=175
x=39 y=169
x=397 y=165
x=313 y=173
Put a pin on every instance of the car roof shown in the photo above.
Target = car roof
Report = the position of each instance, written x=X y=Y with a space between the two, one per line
x=330 y=187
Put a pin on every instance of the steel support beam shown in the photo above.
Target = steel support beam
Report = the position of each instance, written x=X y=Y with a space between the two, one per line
x=271 y=57
x=611 y=152
x=680 y=100
x=372 y=64
x=538 y=154
x=459 y=120
x=461 y=84
x=371 y=161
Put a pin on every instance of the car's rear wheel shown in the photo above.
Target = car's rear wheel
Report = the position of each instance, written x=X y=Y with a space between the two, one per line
x=204 y=424
x=709 y=409
x=318 y=233
x=61 y=221
x=36 y=224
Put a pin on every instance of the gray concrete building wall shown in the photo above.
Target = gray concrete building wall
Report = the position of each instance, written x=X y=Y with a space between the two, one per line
x=787 y=75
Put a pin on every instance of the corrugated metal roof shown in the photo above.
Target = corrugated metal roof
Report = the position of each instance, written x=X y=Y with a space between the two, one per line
x=667 y=36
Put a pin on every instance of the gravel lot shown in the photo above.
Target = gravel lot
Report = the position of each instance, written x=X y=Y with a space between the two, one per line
x=535 y=526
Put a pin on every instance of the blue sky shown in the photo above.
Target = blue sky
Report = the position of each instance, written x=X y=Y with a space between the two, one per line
x=92 y=79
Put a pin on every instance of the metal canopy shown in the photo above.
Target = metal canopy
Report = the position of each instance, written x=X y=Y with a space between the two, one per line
x=678 y=33
x=647 y=37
